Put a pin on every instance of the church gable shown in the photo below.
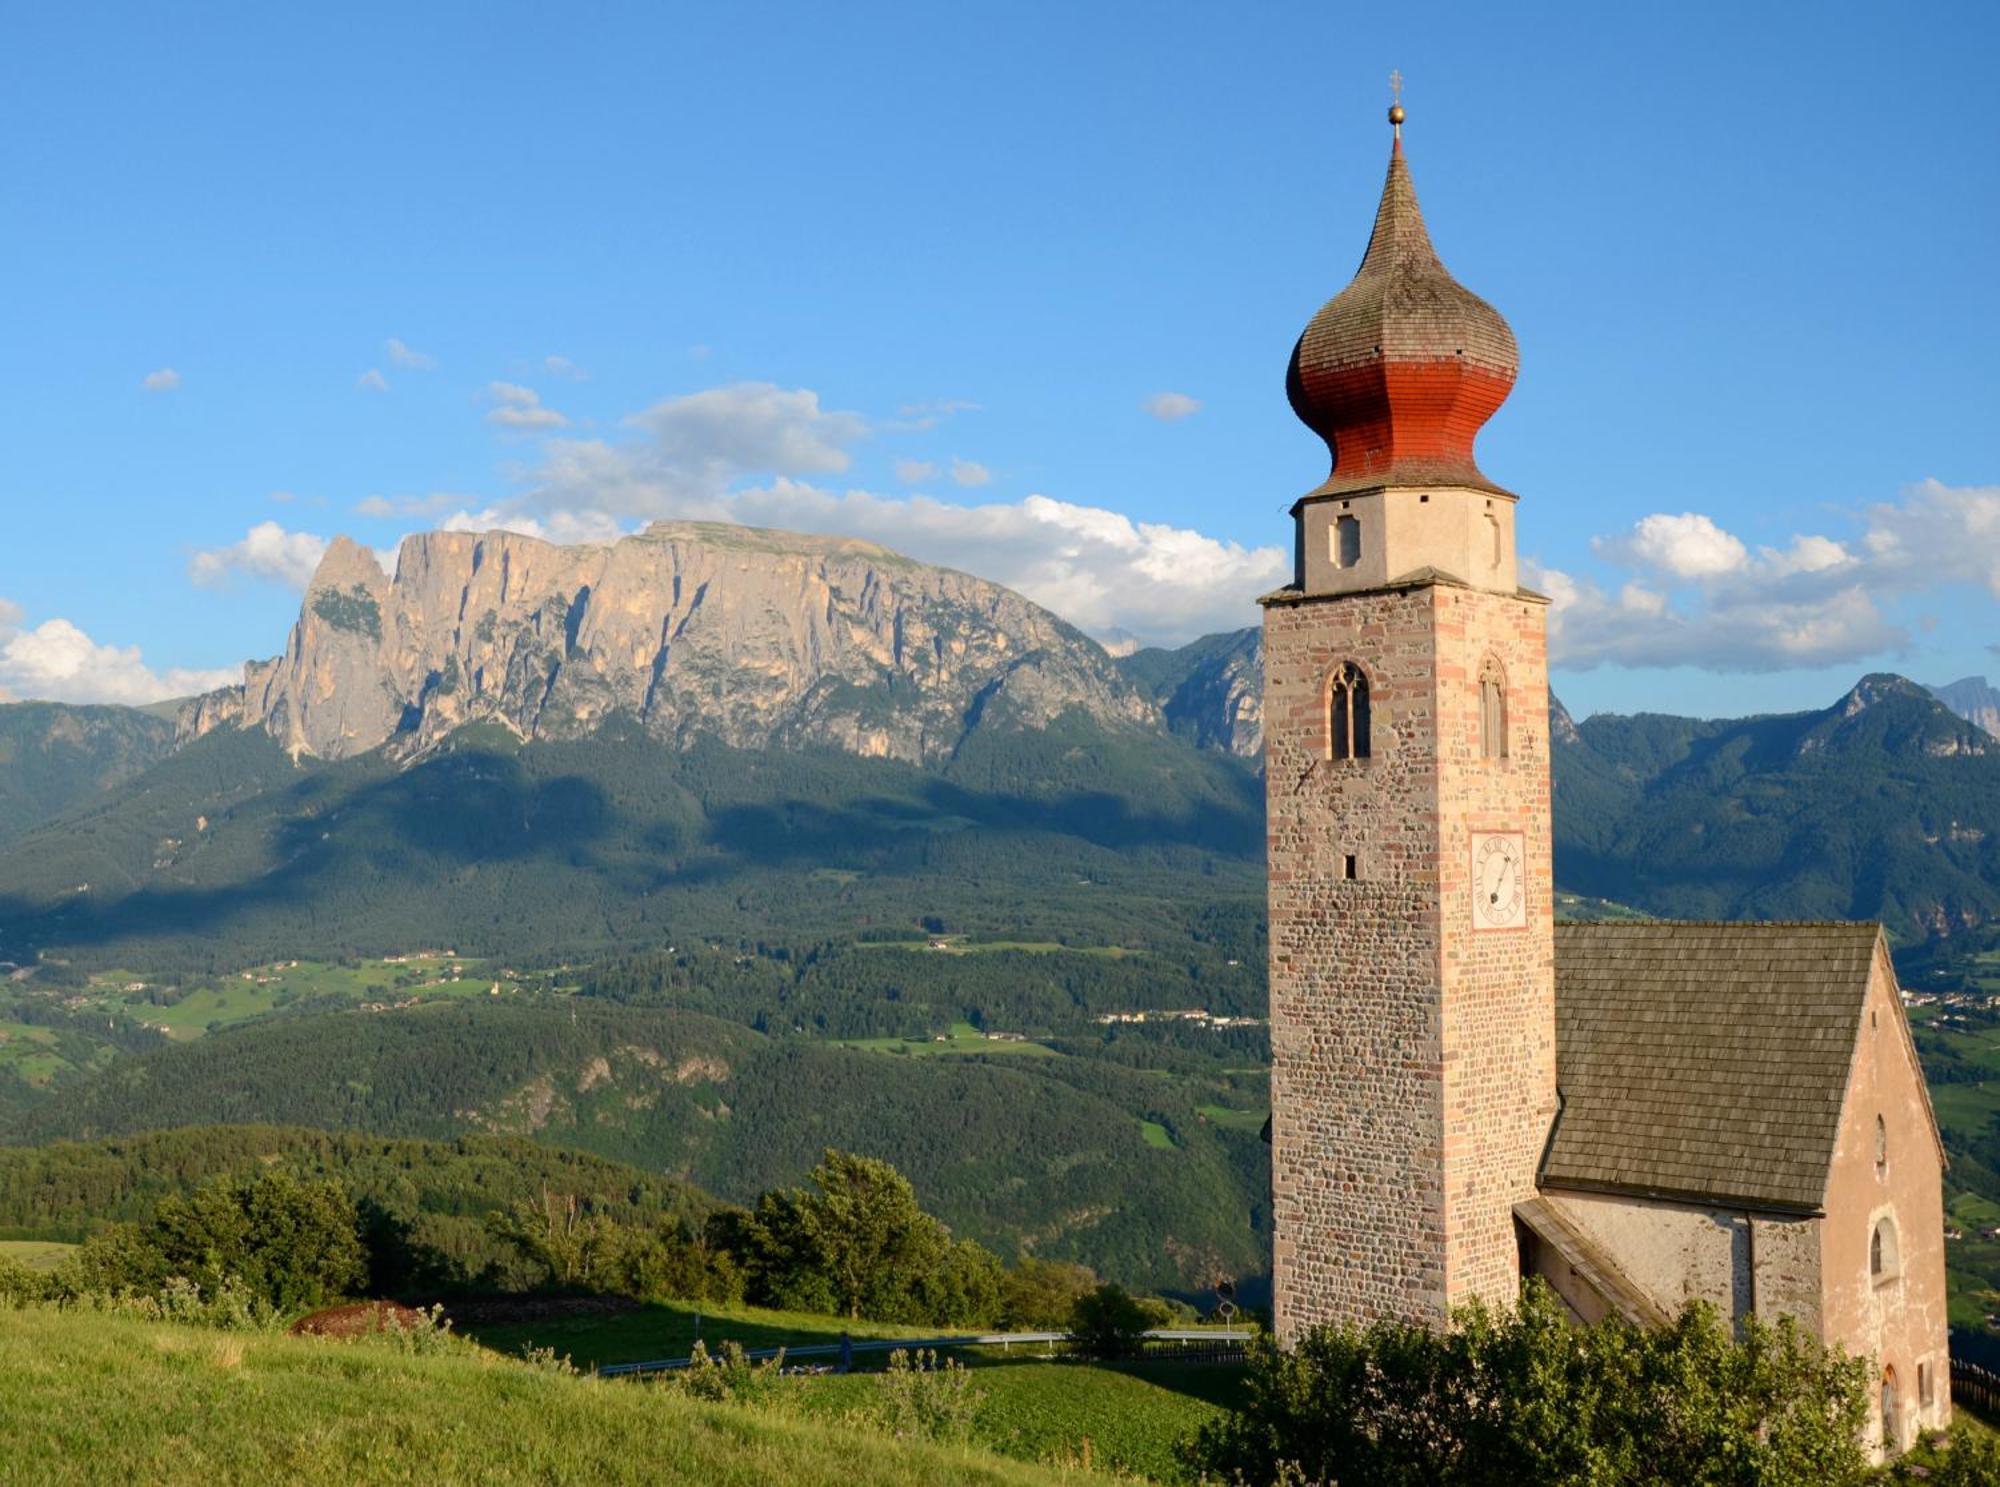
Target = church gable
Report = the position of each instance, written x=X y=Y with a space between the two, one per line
x=1706 y=1062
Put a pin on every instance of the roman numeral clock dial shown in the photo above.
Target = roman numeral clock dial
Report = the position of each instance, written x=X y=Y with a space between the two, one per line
x=1499 y=880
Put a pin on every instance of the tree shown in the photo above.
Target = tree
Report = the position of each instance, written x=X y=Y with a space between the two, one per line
x=1526 y=1396
x=294 y=1244
x=860 y=1230
x=1040 y=1295
x=1109 y=1322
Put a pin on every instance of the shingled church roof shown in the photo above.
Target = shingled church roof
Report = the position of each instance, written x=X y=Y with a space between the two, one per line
x=1705 y=1061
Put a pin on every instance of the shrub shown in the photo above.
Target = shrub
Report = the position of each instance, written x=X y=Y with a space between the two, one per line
x=1526 y=1396
x=732 y=1377
x=921 y=1396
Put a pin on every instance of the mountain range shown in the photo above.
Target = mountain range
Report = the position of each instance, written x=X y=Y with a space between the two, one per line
x=563 y=748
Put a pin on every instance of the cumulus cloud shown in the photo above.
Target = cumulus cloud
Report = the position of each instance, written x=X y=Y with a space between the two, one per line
x=372 y=381
x=166 y=379
x=562 y=366
x=267 y=552
x=970 y=473
x=402 y=354
x=520 y=408
x=1172 y=407
x=916 y=472
x=56 y=661
x=1689 y=592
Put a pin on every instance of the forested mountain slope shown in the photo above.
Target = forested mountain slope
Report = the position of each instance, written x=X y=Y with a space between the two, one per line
x=1045 y=1154
x=230 y=854
x=55 y=757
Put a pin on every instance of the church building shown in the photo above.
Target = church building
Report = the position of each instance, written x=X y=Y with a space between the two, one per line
x=1464 y=1092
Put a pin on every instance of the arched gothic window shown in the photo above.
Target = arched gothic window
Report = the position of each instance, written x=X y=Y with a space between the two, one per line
x=1492 y=710
x=1883 y=1261
x=1347 y=713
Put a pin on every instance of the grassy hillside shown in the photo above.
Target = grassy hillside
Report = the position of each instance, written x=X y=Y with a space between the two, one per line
x=90 y=1399
x=228 y=854
x=1049 y=1154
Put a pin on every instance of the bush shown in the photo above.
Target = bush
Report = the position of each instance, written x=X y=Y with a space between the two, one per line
x=921 y=1396
x=731 y=1378
x=1109 y=1322
x=1526 y=1396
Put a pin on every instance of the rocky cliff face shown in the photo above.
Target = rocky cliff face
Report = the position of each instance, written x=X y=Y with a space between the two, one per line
x=694 y=629
x=1974 y=699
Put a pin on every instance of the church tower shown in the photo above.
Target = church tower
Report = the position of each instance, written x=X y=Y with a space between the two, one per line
x=1406 y=757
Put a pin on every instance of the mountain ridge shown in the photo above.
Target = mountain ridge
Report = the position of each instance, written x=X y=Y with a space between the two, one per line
x=750 y=636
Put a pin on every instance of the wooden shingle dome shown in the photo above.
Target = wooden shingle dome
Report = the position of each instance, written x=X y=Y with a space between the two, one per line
x=1399 y=370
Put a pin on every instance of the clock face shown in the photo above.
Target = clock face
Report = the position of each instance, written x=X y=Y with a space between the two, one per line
x=1499 y=880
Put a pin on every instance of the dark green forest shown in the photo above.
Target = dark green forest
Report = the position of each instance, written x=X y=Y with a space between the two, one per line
x=1046 y=1154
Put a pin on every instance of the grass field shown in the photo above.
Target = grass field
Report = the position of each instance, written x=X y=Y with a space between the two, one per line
x=1132 y=1414
x=36 y=1254
x=1234 y=1120
x=90 y=1399
x=245 y=995
x=1155 y=1134
x=667 y=1330
x=963 y=1038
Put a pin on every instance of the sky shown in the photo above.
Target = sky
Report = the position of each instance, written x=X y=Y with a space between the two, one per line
x=1007 y=287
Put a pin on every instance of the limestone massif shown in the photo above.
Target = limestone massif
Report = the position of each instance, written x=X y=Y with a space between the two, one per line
x=751 y=637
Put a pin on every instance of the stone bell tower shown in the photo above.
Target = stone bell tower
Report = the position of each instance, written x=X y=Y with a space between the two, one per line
x=1406 y=757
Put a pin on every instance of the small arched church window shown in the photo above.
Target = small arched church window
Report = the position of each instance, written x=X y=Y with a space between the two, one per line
x=1492 y=710
x=1883 y=1262
x=1347 y=713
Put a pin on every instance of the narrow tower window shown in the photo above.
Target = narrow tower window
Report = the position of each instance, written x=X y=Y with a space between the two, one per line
x=1347 y=713
x=1881 y=1147
x=1492 y=710
x=1493 y=536
x=1346 y=541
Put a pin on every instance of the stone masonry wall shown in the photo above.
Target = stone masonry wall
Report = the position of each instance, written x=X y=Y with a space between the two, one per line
x=1413 y=1058
x=1498 y=984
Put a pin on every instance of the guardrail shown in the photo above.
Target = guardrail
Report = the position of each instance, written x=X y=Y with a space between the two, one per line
x=859 y=1345
x=1978 y=1389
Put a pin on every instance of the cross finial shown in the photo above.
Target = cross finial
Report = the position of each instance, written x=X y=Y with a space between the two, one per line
x=1396 y=104
x=1395 y=86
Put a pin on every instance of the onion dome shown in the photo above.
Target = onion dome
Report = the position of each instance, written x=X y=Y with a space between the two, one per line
x=1399 y=370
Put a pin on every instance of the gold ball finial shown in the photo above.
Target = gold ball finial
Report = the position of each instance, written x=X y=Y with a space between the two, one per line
x=1396 y=101
x=1395 y=113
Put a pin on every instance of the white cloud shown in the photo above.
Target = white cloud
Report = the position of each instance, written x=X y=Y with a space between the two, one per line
x=916 y=417
x=1695 y=594
x=56 y=661
x=562 y=366
x=403 y=355
x=1171 y=407
x=916 y=472
x=430 y=505
x=166 y=379
x=520 y=408
x=1095 y=567
x=267 y=551
x=970 y=473
x=1685 y=546
x=372 y=381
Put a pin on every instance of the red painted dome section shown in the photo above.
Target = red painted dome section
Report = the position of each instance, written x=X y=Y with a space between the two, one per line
x=1399 y=371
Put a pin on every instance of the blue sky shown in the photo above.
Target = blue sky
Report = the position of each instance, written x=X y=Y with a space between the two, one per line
x=925 y=273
